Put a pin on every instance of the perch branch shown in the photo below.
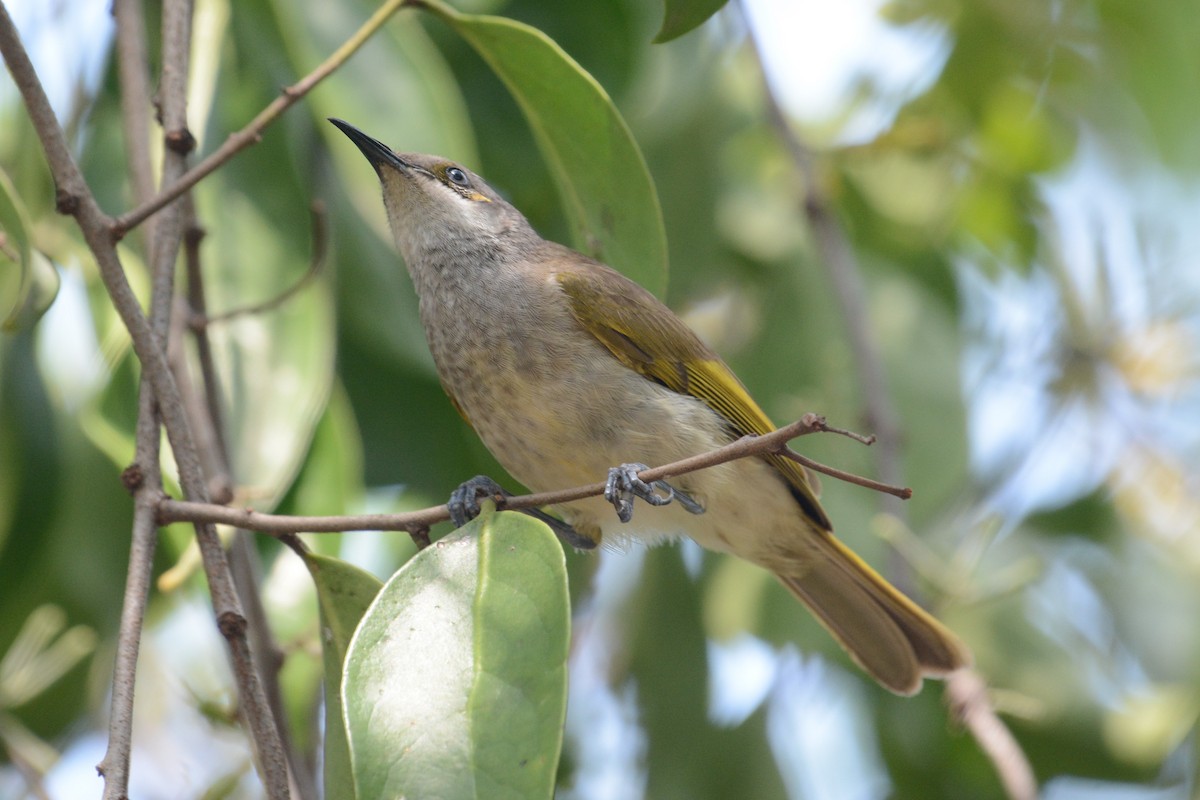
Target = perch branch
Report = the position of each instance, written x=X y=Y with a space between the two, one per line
x=418 y=521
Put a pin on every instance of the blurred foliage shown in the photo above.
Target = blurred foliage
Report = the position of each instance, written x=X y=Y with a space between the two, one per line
x=1025 y=226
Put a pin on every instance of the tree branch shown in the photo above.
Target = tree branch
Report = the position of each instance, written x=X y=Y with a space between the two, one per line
x=205 y=407
x=144 y=477
x=114 y=767
x=208 y=417
x=34 y=780
x=836 y=255
x=253 y=131
x=419 y=521
x=967 y=697
x=902 y=492
x=74 y=197
x=135 y=96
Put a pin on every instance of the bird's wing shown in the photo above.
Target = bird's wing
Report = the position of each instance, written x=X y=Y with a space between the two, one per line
x=647 y=337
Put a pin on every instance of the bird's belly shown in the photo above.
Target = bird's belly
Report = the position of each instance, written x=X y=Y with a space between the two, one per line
x=565 y=431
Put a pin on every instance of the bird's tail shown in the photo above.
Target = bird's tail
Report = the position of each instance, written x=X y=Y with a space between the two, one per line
x=886 y=634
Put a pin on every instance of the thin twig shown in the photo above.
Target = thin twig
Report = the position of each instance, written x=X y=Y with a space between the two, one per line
x=135 y=96
x=837 y=257
x=206 y=414
x=903 y=492
x=143 y=477
x=34 y=780
x=867 y=439
x=205 y=407
x=417 y=521
x=253 y=131
x=320 y=245
x=208 y=417
x=247 y=574
x=967 y=696
x=114 y=767
x=74 y=197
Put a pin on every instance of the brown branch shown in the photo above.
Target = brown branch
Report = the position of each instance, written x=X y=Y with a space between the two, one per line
x=247 y=575
x=415 y=522
x=253 y=131
x=34 y=779
x=114 y=767
x=867 y=439
x=74 y=197
x=903 y=492
x=320 y=246
x=144 y=477
x=205 y=407
x=967 y=697
x=135 y=95
x=206 y=414
x=208 y=418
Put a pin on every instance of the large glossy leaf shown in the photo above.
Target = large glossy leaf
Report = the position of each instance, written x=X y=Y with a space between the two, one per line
x=344 y=592
x=455 y=683
x=276 y=365
x=682 y=16
x=603 y=180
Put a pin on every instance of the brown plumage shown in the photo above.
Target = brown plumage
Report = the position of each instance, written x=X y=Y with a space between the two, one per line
x=565 y=368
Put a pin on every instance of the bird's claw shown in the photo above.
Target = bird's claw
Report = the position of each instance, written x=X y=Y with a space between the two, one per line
x=464 y=507
x=689 y=503
x=464 y=501
x=624 y=485
x=562 y=530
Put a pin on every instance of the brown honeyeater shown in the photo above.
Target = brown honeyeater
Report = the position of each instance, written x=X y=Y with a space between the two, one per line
x=566 y=368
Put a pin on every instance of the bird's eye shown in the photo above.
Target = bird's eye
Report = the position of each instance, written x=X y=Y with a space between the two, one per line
x=456 y=175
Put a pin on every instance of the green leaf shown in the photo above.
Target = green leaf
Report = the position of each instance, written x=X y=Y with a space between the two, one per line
x=522 y=637
x=28 y=281
x=344 y=592
x=682 y=16
x=276 y=365
x=455 y=684
x=14 y=252
x=330 y=480
x=610 y=199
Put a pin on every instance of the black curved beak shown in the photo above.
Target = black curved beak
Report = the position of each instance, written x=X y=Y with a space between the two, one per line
x=375 y=151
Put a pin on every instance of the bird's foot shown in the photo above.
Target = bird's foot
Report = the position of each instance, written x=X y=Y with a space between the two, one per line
x=624 y=485
x=464 y=501
x=464 y=507
x=689 y=503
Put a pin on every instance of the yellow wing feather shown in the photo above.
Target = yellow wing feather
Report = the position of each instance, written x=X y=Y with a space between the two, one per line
x=647 y=337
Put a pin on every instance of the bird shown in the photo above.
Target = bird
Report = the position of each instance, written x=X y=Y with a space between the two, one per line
x=569 y=371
